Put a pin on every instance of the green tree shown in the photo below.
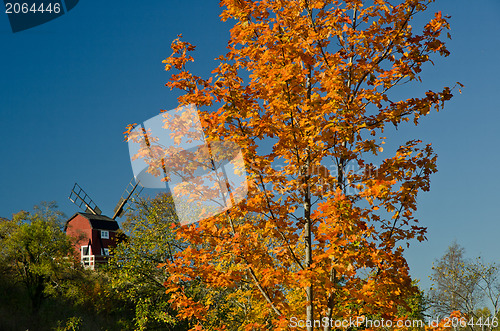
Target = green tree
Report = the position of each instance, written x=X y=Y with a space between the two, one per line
x=48 y=211
x=134 y=271
x=35 y=251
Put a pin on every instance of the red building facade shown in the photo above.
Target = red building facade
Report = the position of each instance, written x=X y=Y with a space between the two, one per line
x=95 y=234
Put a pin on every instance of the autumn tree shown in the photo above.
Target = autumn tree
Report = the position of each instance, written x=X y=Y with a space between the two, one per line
x=305 y=89
x=135 y=277
x=469 y=286
x=454 y=288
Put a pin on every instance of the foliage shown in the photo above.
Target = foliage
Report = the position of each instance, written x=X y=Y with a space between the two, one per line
x=136 y=277
x=35 y=249
x=72 y=324
x=416 y=307
x=42 y=287
x=322 y=230
x=134 y=271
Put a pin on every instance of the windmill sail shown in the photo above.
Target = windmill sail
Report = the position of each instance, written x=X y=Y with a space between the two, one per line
x=130 y=193
x=82 y=200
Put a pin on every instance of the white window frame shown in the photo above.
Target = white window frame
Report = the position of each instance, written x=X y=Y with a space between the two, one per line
x=85 y=259
x=82 y=249
x=106 y=251
x=104 y=234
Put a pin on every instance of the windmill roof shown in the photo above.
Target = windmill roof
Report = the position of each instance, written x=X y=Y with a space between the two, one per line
x=99 y=222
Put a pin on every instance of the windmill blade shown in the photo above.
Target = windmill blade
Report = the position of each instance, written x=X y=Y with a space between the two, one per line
x=83 y=201
x=131 y=193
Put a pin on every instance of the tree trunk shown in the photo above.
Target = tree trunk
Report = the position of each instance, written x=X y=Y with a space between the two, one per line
x=308 y=246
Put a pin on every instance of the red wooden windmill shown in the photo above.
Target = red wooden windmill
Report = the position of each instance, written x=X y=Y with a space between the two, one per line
x=96 y=234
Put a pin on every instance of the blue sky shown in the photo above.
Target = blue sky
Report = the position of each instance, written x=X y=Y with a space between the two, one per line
x=68 y=89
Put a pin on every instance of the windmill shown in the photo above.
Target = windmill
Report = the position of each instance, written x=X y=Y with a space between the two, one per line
x=95 y=233
x=80 y=198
